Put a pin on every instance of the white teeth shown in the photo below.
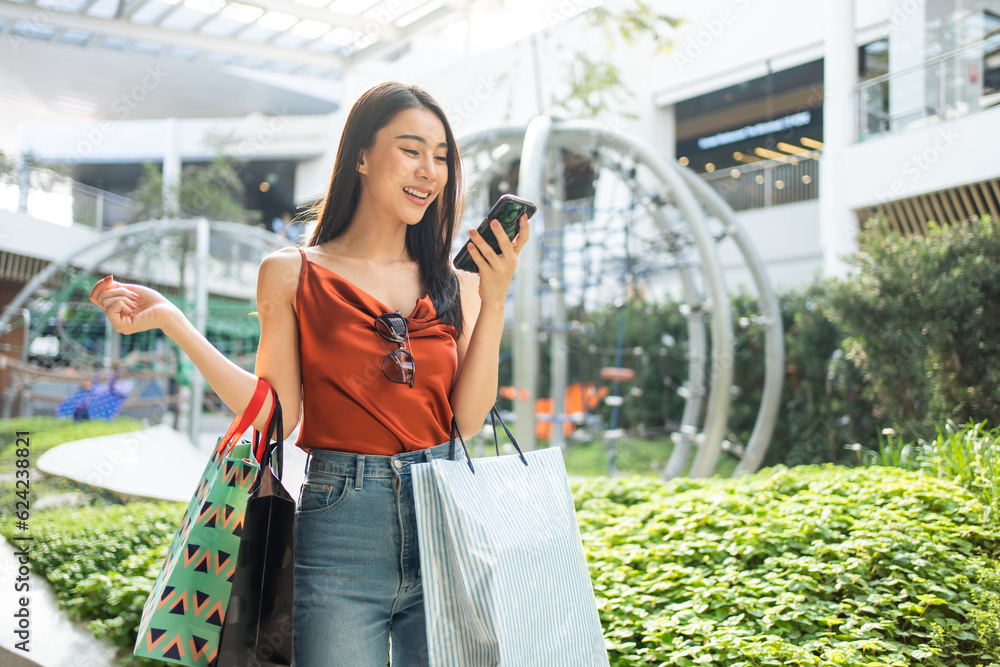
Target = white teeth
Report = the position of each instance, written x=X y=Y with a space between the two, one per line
x=419 y=195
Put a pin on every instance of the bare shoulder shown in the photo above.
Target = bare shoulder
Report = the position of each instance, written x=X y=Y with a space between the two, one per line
x=280 y=270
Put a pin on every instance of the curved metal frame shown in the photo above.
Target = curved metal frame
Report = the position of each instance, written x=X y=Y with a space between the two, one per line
x=153 y=229
x=696 y=202
x=150 y=230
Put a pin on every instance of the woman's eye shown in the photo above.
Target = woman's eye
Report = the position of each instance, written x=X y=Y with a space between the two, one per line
x=409 y=151
x=442 y=160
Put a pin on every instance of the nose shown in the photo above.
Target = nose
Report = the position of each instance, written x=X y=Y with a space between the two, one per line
x=425 y=168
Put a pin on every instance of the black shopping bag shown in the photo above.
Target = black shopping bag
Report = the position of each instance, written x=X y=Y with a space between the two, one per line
x=258 y=626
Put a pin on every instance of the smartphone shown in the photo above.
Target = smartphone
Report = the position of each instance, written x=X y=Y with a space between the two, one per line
x=507 y=211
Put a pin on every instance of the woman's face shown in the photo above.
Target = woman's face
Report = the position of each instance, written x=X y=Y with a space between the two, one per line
x=407 y=166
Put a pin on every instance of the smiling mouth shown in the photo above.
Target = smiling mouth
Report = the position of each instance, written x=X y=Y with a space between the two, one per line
x=422 y=196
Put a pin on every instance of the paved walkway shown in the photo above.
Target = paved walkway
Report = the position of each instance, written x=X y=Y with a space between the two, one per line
x=156 y=463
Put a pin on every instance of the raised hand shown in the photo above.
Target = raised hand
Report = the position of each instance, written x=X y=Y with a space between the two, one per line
x=132 y=308
x=497 y=270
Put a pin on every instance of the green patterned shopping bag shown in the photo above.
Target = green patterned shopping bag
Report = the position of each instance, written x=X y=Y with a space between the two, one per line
x=184 y=613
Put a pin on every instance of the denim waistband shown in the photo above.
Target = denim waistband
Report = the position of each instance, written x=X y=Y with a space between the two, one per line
x=369 y=465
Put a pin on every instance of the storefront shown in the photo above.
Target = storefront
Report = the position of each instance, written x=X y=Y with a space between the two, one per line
x=758 y=143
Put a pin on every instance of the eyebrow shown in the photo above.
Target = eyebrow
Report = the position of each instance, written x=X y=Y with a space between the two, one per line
x=420 y=139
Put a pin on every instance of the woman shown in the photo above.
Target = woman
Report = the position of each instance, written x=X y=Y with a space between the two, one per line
x=372 y=334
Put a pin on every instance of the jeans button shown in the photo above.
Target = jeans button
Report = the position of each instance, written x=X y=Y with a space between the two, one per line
x=398 y=464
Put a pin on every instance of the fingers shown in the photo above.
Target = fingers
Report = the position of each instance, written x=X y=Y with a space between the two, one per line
x=480 y=250
x=121 y=295
x=522 y=234
x=114 y=297
x=99 y=287
x=119 y=307
x=519 y=240
x=503 y=242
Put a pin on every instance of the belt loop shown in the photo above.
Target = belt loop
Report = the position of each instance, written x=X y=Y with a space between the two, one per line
x=309 y=456
x=359 y=473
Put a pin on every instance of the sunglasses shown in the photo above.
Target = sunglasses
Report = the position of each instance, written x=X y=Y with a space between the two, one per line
x=397 y=365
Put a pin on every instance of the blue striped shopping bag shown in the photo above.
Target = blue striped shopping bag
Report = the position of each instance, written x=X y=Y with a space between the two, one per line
x=504 y=573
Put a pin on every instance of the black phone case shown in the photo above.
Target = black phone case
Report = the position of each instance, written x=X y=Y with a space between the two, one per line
x=507 y=211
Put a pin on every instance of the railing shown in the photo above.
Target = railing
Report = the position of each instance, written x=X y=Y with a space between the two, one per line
x=948 y=86
x=768 y=183
x=46 y=195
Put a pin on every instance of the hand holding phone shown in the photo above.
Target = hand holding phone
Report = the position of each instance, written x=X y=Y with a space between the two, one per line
x=507 y=211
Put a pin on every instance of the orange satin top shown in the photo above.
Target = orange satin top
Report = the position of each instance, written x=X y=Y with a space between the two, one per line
x=347 y=402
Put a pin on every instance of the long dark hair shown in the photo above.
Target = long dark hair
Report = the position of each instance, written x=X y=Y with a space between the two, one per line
x=429 y=241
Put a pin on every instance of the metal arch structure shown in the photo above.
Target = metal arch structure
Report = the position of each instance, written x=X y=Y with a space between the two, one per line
x=684 y=205
x=113 y=243
x=149 y=230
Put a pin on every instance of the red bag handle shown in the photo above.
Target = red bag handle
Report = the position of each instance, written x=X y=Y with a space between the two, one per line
x=242 y=422
x=262 y=439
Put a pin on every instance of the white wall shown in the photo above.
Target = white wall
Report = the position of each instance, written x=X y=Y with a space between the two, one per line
x=24 y=235
x=934 y=157
x=730 y=41
x=257 y=137
x=786 y=237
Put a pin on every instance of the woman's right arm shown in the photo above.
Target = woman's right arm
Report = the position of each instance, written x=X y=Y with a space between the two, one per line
x=133 y=308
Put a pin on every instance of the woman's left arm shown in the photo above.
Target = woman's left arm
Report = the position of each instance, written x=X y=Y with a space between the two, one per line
x=475 y=389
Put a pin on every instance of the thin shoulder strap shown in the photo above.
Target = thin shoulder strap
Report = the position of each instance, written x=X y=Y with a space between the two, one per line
x=302 y=272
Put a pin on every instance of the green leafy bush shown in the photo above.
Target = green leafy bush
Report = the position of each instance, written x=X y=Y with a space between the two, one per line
x=804 y=566
x=923 y=315
x=102 y=563
x=987 y=616
x=823 y=403
x=968 y=456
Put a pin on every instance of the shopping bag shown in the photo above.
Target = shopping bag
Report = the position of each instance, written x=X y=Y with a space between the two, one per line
x=503 y=569
x=258 y=626
x=184 y=612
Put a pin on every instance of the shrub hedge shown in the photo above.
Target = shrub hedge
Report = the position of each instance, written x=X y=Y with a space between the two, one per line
x=813 y=565
x=103 y=561
x=923 y=316
x=805 y=566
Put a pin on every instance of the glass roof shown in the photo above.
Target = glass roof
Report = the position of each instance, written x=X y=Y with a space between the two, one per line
x=315 y=37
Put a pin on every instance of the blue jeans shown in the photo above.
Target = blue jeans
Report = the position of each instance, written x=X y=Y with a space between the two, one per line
x=357 y=563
